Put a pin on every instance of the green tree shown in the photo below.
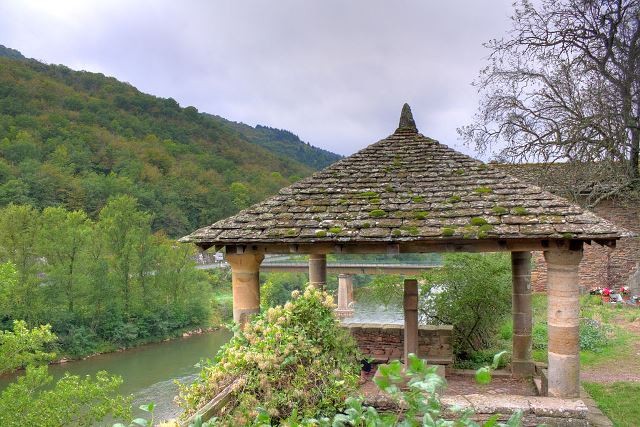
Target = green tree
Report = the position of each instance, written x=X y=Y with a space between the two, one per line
x=124 y=229
x=19 y=230
x=32 y=400
x=472 y=292
x=277 y=288
x=64 y=246
x=240 y=195
x=22 y=346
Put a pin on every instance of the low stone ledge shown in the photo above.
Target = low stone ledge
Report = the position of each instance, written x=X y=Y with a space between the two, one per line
x=536 y=411
x=385 y=341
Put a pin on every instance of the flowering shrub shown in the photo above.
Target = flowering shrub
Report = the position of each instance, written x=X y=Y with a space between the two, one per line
x=290 y=359
x=420 y=403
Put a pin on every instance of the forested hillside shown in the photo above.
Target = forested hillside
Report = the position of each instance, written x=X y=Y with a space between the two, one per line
x=75 y=139
x=288 y=144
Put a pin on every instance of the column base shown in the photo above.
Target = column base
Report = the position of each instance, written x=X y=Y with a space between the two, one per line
x=564 y=375
x=341 y=313
x=522 y=368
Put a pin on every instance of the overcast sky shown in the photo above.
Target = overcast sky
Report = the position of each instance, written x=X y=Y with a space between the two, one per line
x=336 y=73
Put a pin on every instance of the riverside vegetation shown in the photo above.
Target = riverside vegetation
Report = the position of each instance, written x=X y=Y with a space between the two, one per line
x=103 y=284
x=34 y=400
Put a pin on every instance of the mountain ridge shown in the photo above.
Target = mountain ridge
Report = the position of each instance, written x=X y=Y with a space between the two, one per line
x=75 y=138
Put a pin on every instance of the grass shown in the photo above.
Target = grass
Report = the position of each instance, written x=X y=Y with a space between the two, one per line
x=618 y=343
x=620 y=401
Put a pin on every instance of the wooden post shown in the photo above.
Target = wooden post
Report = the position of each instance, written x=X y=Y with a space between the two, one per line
x=563 y=319
x=245 y=281
x=521 y=361
x=318 y=270
x=410 y=318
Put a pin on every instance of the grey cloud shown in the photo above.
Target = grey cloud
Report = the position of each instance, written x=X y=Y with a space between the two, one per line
x=334 y=72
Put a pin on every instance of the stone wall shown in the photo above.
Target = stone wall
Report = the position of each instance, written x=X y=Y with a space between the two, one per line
x=602 y=266
x=384 y=342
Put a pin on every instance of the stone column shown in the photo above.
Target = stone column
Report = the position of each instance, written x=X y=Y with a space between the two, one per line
x=563 y=318
x=410 y=318
x=245 y=281
x=345 y=295
x=521 y=361
x=318 y=270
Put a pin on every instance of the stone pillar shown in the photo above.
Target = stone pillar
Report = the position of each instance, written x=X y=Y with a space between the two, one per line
x=521 y=362
x=318 y=270
x=410 y=318
x=345 y=295
x=245 y=280
x=563 y=318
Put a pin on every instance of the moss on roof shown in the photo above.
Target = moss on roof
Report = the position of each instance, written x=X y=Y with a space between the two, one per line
x=377 y=191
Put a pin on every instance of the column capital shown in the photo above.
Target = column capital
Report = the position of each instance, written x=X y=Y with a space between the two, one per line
x=244 y=262
x=563 y=256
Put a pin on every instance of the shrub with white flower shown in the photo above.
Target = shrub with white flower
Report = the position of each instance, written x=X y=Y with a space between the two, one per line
x=290 y=358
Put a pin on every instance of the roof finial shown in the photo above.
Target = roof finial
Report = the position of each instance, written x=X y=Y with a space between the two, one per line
x=406 y=119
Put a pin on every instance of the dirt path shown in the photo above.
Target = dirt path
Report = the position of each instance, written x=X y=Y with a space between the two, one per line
x=626 y=367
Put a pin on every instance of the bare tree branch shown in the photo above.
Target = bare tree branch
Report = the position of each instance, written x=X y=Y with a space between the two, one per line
x=564 y=86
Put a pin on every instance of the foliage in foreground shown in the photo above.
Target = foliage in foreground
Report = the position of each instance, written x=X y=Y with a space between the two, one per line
x=472 y=292
x=34 y=400
x=291 y=359
x=71 y=400
x=22 y=346
x=418 y=404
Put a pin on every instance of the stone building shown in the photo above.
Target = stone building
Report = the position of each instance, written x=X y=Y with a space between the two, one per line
x=601 y=265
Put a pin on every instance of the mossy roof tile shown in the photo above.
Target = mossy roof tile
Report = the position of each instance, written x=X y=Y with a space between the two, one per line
x=377 y=191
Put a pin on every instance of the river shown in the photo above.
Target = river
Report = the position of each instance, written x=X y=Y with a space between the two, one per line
x=149 y=371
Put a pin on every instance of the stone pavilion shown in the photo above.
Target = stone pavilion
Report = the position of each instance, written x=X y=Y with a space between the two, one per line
x=408 y=193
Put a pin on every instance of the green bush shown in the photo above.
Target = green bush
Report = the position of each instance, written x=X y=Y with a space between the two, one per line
x=472 y=292
x=290 y=359
x=79 y=341
x=277 y=288
x=593 y=335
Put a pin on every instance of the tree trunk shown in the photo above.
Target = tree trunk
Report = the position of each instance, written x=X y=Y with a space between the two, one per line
x=634 y=158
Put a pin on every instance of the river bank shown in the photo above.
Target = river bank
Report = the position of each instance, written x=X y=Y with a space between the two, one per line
x=149 y=371
x=113 y=349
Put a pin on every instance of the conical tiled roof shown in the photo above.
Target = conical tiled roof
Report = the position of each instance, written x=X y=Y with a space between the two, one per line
x=407 y=188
